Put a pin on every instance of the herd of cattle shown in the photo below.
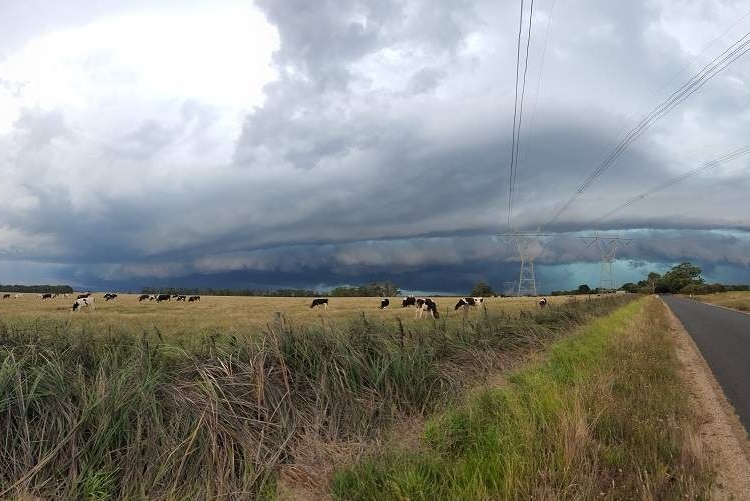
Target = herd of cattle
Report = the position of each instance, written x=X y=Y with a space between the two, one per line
x=86 y=300
x=423 y=305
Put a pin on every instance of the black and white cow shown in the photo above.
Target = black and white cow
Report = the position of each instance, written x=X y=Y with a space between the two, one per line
x=385 y=303
x=143 y=297
x=319 y=301
x=82 y=296
x=163 y=297
x=6 y=296
x=181 y=298
x=468 y=302
x=84 y=302
x=427 y=305
x=194 y=298
x=110 y=297
x=45 y=296
x=542 y=302
x=408 y=301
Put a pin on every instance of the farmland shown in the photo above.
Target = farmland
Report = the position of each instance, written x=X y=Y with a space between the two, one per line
x=206 y=400
x=226 y=315
x=737 y=300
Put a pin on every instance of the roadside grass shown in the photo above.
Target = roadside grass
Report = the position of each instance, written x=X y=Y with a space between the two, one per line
x=89 y=415
x=739 y=300
x=605 y=417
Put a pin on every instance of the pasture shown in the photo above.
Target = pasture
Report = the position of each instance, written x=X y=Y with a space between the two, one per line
x=226 y=315
x=212 y=399
x=739 y=300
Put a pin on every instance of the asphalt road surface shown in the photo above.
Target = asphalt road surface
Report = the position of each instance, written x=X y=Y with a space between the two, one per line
x=723 y=337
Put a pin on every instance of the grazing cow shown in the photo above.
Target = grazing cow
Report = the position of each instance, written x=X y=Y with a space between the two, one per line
x=542 y=302
x=384 y=303
x=143 y=297
x=6 y=296
x=427 y=305
x=181 y=298
x=408 y=301
x=110 y=297
x=83 y=296
x=163 y=297
x=45 y=296
x=84 y=302
x=466 y=303
x=319 y=301
x=194 y=298
x=17 y=296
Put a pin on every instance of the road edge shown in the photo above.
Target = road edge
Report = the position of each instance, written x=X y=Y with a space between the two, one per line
x=721 y=431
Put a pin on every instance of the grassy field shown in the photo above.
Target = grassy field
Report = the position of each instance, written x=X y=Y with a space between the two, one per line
x=737 y=300
x=224 y=315
x=95 y=405
x=605 y=417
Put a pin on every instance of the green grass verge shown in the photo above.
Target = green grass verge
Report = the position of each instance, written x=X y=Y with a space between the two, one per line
x=604 y=417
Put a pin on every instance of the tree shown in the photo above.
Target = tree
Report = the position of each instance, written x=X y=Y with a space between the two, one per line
x=482 y=289
x=652 y=280
x=629 y=287
x=584 y=289
x=681 y=276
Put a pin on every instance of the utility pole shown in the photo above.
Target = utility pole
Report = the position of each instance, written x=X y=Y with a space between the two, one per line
x=607 y=245
x=525 y=241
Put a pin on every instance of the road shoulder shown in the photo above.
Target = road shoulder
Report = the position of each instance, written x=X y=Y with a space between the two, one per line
x=721 y=432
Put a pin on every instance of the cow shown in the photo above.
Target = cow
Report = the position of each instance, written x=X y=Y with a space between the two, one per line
x=83 y=302
x=181 y=298
x=163 y=297
x=427 y=305
x=46 y=296
x=194 y=298
x=319 y=301
x=384 y=303
x=542 y=302
x=83 y=296
x=18 y=296
x=6 y=296
x=143 y=297
x=467 y=302
x=110 y=297
x=408 y=301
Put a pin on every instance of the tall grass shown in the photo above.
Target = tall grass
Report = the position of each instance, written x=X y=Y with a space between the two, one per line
x=89 y=416
x=605 y=417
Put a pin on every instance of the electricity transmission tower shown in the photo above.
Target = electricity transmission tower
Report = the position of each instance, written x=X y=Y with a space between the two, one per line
x=528 y=247
x=607 y=245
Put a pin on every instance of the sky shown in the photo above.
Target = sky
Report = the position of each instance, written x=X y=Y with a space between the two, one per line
x=286 y=143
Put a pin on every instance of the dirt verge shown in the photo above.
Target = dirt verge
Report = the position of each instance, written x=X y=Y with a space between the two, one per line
x=721 y=432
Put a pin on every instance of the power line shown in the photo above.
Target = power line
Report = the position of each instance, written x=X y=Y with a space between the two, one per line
x=695 y=83
x=516 y=143
x=515 y=113
x=729 y=157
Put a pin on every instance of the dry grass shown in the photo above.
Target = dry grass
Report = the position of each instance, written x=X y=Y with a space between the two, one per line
x=93 y=408
x=739 y=300
x=226 y=315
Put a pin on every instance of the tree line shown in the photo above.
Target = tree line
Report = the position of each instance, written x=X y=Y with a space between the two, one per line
x=684 y=278
x=37 y=289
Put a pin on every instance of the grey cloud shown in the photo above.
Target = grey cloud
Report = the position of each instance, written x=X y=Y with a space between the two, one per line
x=425 y=80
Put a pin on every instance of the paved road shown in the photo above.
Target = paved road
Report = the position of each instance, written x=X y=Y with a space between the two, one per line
x=723 y=337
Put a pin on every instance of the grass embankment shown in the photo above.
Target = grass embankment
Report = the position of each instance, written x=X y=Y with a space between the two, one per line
x=605 y=417
x=87 y=415
x=736 y=300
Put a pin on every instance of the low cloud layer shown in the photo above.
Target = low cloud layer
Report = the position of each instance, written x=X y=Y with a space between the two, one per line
x=355 y=140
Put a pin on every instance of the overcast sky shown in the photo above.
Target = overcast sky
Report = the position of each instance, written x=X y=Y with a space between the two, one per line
x=312 y=144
